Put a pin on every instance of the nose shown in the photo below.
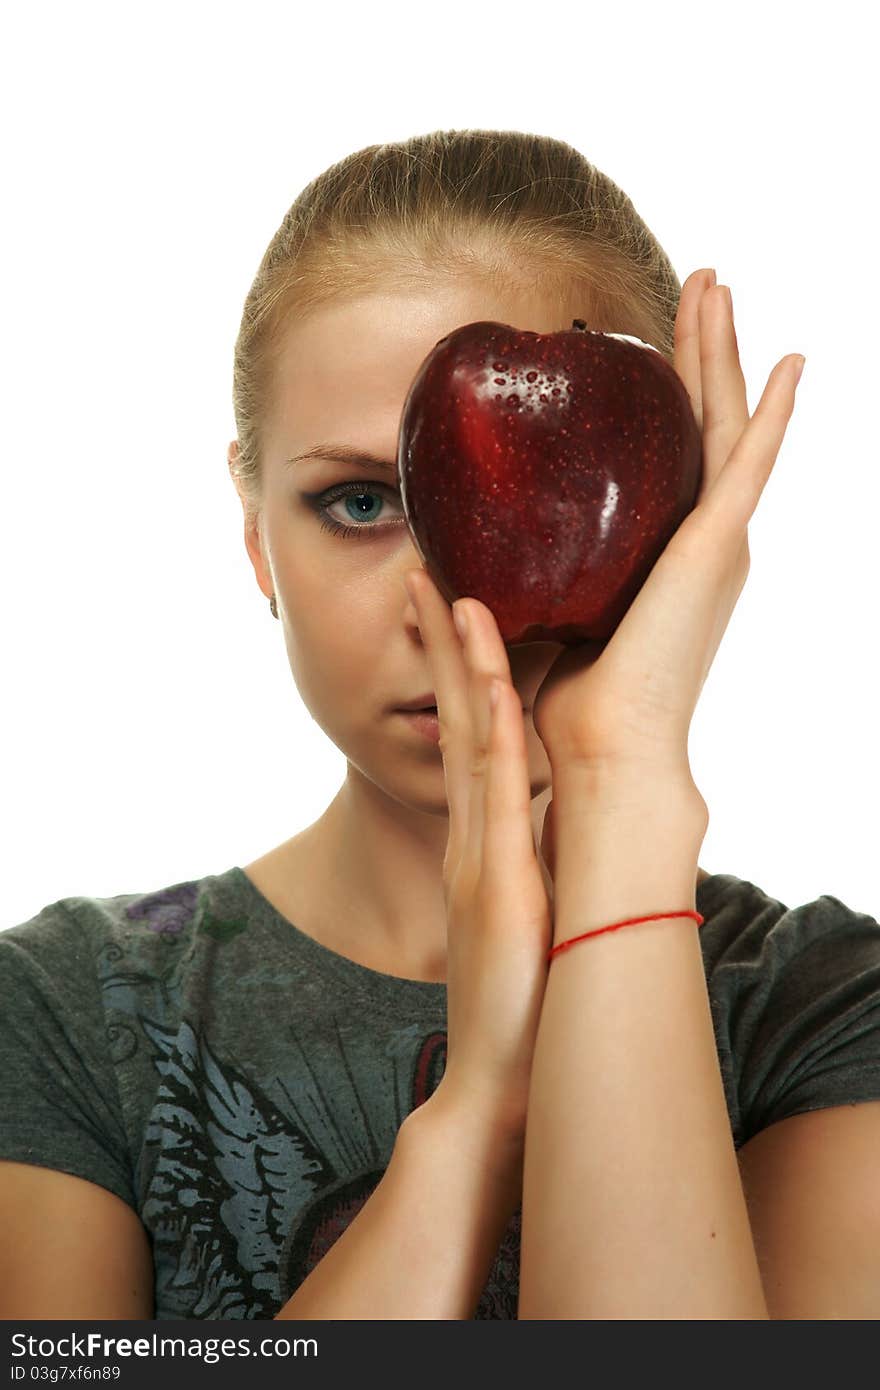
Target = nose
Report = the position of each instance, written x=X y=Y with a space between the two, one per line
x=410 y=615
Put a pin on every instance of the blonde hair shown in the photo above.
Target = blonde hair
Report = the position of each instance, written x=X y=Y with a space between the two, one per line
x=504 y=207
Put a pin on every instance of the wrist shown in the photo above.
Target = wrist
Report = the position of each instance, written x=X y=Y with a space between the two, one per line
x=488 y=1160
x=605 y=788
x=625 y=852
x=467 y=1123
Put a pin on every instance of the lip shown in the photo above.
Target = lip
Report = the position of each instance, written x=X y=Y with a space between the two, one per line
x=423 y=722
x=431 y=713
x=420 y=702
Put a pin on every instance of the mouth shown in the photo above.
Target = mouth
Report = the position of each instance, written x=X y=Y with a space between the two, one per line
x=432 y=709
x=424 y=722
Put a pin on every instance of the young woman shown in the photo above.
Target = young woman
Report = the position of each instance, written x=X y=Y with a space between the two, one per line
x=348 y=1080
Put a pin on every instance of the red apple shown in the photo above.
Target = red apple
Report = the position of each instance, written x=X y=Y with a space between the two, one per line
x=544 y=473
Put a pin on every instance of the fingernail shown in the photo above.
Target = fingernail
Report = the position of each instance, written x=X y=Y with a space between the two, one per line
x=408 y=585
x=729 y=300
x=799 y=367
x=460 y=621
x=713 y=279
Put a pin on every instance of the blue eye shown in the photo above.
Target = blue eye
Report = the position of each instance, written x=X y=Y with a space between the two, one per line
x=320 y=502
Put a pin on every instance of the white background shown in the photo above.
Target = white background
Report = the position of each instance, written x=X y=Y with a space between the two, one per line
x=152 y=731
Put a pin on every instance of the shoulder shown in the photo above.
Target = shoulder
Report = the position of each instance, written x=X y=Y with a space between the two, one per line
x=81 y=933
x=748 y=930
x=94 y=993
x=795 y=998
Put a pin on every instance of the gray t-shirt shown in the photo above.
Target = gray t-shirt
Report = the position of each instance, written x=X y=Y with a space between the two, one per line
x=241 y=1085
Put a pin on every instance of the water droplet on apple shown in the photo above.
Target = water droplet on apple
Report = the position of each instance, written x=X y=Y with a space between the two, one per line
x=555 y=391
x=513 y=399
x=531 y=376
x=501 y=381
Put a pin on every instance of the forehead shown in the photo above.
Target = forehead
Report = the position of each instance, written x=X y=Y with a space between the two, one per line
x=344 y=371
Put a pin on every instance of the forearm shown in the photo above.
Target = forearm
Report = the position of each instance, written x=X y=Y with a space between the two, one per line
x=632 y=1200
x=423 y=1244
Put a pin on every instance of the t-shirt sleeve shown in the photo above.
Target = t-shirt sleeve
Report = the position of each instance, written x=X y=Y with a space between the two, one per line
x=59 y=1102
x=811 y=1021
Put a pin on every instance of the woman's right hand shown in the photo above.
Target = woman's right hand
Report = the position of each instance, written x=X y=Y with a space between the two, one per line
x=496 y=889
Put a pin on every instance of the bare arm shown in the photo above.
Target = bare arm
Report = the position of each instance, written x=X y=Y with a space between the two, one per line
x=421 y=1247
x=423 y=1244
x=69 y=1249
x=632 y=1199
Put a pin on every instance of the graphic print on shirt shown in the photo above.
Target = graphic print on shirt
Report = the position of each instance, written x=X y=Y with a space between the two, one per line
x=322 y=1221
x=241 y=1205
x=245 y=1193
x=229 y=1172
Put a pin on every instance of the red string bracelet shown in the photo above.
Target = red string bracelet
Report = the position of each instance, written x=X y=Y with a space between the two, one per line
x=656 y=917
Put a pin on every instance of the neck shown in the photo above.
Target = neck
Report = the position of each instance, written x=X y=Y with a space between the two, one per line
x=380 y=864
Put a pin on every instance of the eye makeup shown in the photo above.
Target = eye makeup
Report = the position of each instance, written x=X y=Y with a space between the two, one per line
x=320 y=503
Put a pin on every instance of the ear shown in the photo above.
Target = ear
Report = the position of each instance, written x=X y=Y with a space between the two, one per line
x=253 y=538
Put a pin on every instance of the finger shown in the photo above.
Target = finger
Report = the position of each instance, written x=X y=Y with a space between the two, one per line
x=733 y=497
x=449 y=678
x=725 y=403
x=686 y=337
x=508 y=833
x=486 y=658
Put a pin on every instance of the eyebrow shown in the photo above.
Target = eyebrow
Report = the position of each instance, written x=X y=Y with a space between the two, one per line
x=341 y=453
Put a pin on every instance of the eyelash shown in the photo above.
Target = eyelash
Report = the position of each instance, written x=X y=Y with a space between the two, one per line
x=320 y=502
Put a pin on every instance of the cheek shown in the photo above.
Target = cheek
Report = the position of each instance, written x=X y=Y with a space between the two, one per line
x=335 y=647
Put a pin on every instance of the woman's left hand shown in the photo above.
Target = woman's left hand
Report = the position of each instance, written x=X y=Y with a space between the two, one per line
x=629 y=707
